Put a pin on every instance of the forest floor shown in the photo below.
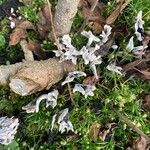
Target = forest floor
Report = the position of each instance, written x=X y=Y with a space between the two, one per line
x=98 y=120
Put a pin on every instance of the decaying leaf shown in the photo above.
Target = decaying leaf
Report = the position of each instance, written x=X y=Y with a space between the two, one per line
x=36 y=49
x=146 y=102
x=144 y=74
x=114 y=15
x=96 y=21
x=20 y=32
x=101 y=133
x=44 y=24
x=90 y=80
x=140 y=144
x=26 y=2
x=94 y=131
x=104 y=49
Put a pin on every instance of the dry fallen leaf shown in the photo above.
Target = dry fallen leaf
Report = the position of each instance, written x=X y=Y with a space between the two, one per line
x=94 y=131
x=140 y=144
x=96 y=21
x=26 y=2
x=104 y=49
x=146 y=102
x=36 y=49
x=97 y=132
x=103 y=134
x=90 y=80
x=114 y=15
x=20 y=32
x=44 y=24
x=145 y=73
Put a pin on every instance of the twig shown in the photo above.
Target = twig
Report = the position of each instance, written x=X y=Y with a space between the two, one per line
x=70 y=93
x=87 y=18
x=52 y=25
x=130 y=124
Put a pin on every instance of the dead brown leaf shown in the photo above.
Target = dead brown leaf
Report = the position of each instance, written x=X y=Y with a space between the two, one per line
x=114 y=15
x=146 y=102
x=16 y=36
x=26 y=2
x=36 y=49
x=131 y=65
x=20 y=32
x=140 y=144
x=106 y=131
x=145 y=73
x=96 y=21
x=104 y=49
x=90 y=80
x=44 y=24
x=97 y=132
x=94 y=131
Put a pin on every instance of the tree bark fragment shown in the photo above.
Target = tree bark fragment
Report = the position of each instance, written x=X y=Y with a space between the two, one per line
x=63 y=18
x=29 y=77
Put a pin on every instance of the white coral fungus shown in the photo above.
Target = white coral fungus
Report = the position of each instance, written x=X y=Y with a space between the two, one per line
x=63 y=121
x=51 y=100
x=138 y=50
x=67 y=51
x=8 y=129
x=72 y=75
x=86 y=90
x=139 y=26
x=91 y=38
x=88 y=54
x=106 y=33
x=112 y=67
x=130 y=44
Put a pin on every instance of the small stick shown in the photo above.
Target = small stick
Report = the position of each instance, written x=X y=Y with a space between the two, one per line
x=52 y=25
x=70 y=93
x=87 y=18
x=130 y=124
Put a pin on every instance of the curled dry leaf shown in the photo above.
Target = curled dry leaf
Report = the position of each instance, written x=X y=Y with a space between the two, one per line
x=140 y=144
x=114 y=15
x=20 y=32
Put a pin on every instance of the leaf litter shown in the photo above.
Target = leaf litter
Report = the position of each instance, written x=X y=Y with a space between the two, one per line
x=88 y=86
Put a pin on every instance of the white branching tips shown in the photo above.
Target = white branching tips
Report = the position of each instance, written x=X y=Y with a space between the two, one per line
x=51 y=100
x=91 y=38
x=114 y=47
x=139 y=26
x=63 y=121
x=30 y=108
x=139 y=51
x=8 y=129
x=88 y=54
x=72 y=75
x=68 y=51
x=86 y=90
x=105 y=33
x=112 y=67
x=130 y=44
